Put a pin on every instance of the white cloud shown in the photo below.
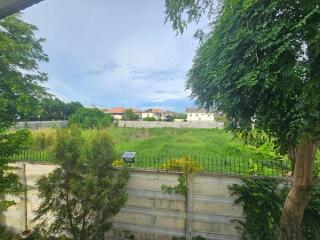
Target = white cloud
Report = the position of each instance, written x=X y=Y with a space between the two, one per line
x=113 y=52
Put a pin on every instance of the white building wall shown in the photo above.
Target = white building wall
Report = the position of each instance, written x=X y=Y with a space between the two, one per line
x=191 y=117
x=117 y=116
x=157 y=116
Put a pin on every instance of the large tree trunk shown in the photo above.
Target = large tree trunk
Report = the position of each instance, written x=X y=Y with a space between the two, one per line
x=297 y=199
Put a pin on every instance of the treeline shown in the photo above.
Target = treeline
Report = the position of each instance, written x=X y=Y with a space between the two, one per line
x=53 y=109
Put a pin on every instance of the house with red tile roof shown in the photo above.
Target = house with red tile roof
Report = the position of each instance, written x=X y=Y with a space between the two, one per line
x=116 y=112
x=158 y=114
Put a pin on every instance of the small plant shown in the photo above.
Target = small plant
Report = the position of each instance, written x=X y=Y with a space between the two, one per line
x=187 y=167
x=180 y=189
x=184 y=164
x=118 y=163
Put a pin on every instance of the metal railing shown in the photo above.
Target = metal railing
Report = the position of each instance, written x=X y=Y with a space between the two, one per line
x=200 y=163
x=212 y=164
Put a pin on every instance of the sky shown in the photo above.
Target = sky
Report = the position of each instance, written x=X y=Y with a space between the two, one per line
x=114 y=53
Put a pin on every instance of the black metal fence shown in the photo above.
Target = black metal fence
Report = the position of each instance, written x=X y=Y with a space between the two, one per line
x=212 y=164
x=197 y=163
x=34 y=156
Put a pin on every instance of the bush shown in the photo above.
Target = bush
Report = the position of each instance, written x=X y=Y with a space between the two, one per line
x=90 y=118
x=85 y=187
x=149 y=119
x=187 y=166
x=118 y=163
x=263 y=200
x=184 y=164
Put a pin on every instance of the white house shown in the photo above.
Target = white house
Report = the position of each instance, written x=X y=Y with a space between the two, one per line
x=158 y=114
x=116 y=112
x=199 y=114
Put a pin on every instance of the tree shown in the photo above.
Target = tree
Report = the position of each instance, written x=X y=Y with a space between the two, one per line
x=54 y=109
x=130 y=115
x=90 y=118
x=73 y=107
x=85 y=192
x=20 y=54
x=260 y=66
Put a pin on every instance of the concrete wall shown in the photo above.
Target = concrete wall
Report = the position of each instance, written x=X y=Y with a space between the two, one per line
x=40 y=124
x=158 y=124
x=191 y=117
x=149 y=213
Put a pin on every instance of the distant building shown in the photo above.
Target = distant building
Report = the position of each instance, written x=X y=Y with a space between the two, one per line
x=116 y=112
x=199 y=114
x=158 y=114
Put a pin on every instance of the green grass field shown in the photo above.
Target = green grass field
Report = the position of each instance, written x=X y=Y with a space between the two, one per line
x=214 y=149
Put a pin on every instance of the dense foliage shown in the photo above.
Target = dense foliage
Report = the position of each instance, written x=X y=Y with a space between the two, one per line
x=130 y=115
x=149 y=119
x=85 y=192
x=20 y=91
x=260 y=66
x=90 y=118
x=54 y=109
x=262 y=201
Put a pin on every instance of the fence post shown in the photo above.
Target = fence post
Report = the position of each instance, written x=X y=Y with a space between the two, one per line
x=189 y=208
x=23 y=198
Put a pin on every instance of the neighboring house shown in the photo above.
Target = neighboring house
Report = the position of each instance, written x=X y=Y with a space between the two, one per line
x=116 y=112
x=199 y=114
x=158 y=114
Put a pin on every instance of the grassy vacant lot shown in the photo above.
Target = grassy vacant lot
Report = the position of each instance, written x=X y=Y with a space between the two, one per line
x=160 y=141
x=214 y=149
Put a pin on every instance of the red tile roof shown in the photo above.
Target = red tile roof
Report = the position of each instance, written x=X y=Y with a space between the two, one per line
x=116 y=110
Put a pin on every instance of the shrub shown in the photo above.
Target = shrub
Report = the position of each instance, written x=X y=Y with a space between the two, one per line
x=90 y=118
x=184 y=164
x=187 y=166
x=263 y=199
x=118 y=163
x=149 y=119
x=81 y=197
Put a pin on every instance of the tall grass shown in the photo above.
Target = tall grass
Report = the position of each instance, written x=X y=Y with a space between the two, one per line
x=43 y=139
x=162 y=141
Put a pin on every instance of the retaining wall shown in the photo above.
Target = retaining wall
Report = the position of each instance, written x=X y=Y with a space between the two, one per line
x=149 y=213
x=159 y=124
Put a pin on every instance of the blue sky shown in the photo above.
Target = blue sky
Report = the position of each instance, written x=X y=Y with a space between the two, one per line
x=114 y=53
